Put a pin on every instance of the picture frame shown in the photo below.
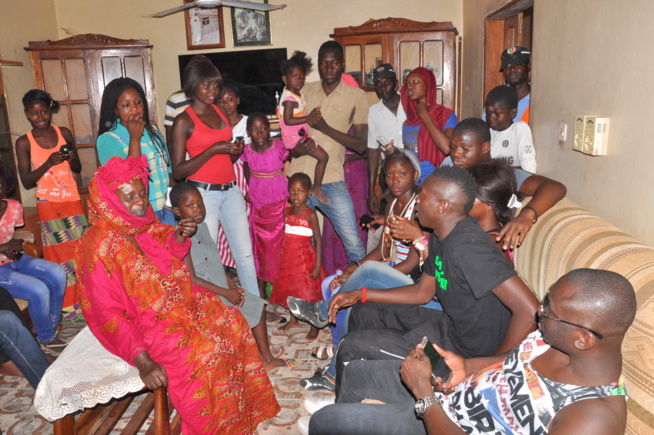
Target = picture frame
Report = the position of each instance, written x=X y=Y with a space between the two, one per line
x=204 y=28
x=250 y=27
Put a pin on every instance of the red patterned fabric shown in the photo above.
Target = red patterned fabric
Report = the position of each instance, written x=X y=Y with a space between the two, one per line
x=427 y=149
x=139 y=296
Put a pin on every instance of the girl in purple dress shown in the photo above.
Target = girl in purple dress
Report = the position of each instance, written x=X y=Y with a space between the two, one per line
x=263 y=163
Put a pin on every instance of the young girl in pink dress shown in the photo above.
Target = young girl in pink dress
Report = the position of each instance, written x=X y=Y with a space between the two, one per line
x=263 y=161
x=299 y=273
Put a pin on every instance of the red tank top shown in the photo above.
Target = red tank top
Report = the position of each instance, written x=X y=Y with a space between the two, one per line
x=219 y=168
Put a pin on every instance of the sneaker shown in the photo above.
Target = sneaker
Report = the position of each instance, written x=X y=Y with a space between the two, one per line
x=56 y=343
x=303 y=424
x=318 y=381
x=307 y=311
x=316 y=403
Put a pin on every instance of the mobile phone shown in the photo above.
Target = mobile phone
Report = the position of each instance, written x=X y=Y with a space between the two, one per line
x=366 y=219
x=383 y=142
x=431 y=353
x=239 y=138
x=66 y=148
x=303 y=134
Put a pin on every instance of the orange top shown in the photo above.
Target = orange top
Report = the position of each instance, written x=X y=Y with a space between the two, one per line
x=58 y=184
x=525 y=116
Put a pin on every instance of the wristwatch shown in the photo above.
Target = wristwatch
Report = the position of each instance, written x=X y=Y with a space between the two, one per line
x=423 y=404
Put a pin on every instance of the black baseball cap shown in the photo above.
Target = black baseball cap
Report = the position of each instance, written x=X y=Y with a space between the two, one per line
x=384 y=71
x=517 y=55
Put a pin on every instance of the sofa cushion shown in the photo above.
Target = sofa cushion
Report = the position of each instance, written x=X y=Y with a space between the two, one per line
x=568 y=237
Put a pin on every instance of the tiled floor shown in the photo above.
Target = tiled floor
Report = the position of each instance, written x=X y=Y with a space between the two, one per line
x=19 y=417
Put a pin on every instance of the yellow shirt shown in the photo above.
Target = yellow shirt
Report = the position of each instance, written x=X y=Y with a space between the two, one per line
x=344 y=107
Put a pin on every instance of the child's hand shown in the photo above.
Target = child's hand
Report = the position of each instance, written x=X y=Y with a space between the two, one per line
x=186 y=228
x=236 y=296
x=315 y=272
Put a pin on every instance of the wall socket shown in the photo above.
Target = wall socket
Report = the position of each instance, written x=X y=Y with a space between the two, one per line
x=591 y=135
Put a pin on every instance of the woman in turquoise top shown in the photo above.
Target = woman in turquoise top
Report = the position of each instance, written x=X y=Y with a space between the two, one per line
x=125 y=130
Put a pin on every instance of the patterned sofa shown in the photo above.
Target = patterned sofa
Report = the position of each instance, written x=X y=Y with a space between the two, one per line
x=568 y=237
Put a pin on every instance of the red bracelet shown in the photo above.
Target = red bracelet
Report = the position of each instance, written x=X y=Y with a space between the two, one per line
x=365 y=294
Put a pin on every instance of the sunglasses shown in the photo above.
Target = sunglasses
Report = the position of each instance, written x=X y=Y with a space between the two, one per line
x=542 y=315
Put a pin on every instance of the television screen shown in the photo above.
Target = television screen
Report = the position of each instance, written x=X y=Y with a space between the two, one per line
x=256 y=72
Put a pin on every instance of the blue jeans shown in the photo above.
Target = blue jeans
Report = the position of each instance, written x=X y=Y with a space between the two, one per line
x=17 y=342
x=341 y=214
x=228 y=208
x=373 y=274
x=42 y=283
x=378 y=380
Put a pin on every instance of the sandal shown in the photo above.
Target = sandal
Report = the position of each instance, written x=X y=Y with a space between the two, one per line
x=318 y=382
x=323 y=352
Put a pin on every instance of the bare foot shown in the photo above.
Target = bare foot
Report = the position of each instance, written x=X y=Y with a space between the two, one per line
x=313 y=333
x=318 y=193
x=292 y=323
x=10 y=369
x=273 y=364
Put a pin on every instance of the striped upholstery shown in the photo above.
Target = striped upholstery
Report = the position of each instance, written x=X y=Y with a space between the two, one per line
x=568 y=237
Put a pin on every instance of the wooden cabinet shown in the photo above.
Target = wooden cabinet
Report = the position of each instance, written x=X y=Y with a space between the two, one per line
x=406 y=45
x=75 y=72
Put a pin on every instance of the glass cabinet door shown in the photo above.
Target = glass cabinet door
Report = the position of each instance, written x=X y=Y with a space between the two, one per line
x=361 y=60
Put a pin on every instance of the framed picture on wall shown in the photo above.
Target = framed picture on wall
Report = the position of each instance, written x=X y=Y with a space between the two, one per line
x=251 y=27
x=204 y=28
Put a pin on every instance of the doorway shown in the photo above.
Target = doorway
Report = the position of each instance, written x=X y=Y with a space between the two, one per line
x=511 y=25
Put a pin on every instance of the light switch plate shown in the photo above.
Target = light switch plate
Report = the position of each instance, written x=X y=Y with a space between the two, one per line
x=563 y=132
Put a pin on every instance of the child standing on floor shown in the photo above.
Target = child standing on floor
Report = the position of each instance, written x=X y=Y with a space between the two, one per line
x=263 y=161
x=509 y=140
x=48 y=160
x=299 y=273
x=293 y=118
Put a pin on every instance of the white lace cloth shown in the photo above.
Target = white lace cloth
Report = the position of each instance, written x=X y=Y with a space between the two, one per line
x=84 y=375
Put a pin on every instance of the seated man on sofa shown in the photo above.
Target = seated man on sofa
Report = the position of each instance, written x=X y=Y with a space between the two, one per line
x=470 y=145
x=487 y=309
x=564 y=378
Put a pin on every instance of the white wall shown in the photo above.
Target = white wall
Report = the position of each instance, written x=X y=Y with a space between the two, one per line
x=594 y=57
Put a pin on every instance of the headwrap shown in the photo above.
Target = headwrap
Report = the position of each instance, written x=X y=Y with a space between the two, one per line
x=427 y=149
x=105 y=208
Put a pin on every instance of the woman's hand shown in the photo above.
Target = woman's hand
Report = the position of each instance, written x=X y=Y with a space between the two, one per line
x=422 y=110
x=56 y=158
x=378 y=219
x=152 y=374
x=236 y=296
x=225 y=147
x=404 y=229
x=135 y=125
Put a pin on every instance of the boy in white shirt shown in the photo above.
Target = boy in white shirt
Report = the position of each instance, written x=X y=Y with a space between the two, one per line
x=509 y=140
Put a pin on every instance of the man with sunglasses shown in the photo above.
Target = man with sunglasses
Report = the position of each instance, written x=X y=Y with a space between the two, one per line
x=562 y=379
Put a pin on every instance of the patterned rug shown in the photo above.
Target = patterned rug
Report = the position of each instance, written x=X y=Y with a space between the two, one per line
x=19 y=417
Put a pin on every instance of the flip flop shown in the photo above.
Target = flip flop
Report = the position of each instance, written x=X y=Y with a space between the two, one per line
x=323 y=350
x=289 y=362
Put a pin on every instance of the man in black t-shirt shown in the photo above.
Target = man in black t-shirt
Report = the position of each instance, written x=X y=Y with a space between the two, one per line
x=487 y=309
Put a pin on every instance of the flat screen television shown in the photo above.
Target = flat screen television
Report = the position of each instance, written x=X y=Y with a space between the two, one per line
x=256 y=72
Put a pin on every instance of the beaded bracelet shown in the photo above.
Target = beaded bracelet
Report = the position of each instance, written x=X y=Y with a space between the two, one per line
x=421 y=243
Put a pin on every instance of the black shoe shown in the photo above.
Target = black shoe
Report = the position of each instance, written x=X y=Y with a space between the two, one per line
x=318 y=381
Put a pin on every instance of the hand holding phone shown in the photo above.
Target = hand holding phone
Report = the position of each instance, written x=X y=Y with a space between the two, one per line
x=366 y=219
x=383 y=142
x=431 y=353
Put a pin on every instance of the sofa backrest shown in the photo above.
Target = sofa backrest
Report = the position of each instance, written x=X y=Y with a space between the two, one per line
x=568 y=237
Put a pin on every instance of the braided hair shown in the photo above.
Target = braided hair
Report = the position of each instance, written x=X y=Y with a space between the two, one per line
x=108 y=116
